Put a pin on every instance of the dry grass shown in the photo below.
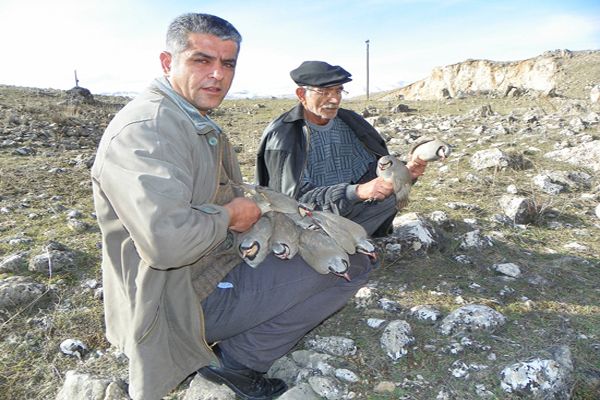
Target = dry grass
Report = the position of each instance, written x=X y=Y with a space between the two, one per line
x=564 y=300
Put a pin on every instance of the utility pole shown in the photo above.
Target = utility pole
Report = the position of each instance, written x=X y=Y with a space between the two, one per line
x=367 y=42
x=76 y=80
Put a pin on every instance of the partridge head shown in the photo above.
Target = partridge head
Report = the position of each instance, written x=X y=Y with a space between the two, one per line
x=323 y=254
x=254 y=244
x=431 y=149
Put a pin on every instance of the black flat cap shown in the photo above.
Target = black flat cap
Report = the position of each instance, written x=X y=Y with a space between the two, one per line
x=319 y=73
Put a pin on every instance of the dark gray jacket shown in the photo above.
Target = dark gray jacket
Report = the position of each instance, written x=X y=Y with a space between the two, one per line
x=282 y=156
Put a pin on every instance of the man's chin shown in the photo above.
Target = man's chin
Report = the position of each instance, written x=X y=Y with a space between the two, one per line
x=329 y=114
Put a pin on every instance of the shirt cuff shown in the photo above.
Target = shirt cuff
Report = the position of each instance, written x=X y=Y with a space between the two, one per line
x=351 y=193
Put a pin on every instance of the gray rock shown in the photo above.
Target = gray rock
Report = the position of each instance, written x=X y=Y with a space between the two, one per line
x=508 y=269
x=14 y=262
x=541 y=378
x=426 y=313
x=80 y=386
x=52 y=260
x=545 y=183
x=597 y=211
x=471 y=317
x=584 y=155
x=327 y=387
x=521 y=210
x=595 y=94
x=396 y=337
x=474 y=240
x=286 y=369
x=302 y=391
x=492 y=158
x=19 y=290
x=375 y=322
x=201 y=388
x=334 y=345
x=346 y=375
x=413 y=231
x=389 y=305
x=313 y=360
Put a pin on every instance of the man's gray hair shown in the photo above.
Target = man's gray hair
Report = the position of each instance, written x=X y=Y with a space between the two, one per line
x=182 y=26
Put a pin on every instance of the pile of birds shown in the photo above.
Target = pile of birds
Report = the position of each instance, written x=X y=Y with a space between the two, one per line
x=286 y=228
x=323 y=239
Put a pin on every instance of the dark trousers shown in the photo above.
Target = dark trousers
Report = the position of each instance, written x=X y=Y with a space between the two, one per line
x=375 y=217
x=258 y=315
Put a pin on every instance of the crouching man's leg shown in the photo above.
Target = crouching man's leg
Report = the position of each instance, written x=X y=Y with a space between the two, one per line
x=258 y=315
x=376 y=217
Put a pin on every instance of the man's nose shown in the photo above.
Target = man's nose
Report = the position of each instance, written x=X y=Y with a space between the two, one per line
x=217 y=72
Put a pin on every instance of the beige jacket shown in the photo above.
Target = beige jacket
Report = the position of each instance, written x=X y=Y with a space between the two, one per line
x=155 y=180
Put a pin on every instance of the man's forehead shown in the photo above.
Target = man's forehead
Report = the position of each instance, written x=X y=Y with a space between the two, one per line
x=206 y=41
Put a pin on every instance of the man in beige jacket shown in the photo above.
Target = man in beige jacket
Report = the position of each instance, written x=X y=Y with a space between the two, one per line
x=173 y=284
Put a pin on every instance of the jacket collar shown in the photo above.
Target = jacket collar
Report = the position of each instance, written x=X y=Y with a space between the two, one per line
x=295 y=114
x=202 y=123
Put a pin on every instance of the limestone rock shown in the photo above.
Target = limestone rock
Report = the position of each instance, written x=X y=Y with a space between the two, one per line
x=472 y=317
x=396 y=337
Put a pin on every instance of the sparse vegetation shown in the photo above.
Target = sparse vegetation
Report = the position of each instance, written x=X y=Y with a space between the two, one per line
x=556 y=302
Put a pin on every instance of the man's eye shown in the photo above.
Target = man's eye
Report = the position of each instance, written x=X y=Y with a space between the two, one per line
x=230 y=65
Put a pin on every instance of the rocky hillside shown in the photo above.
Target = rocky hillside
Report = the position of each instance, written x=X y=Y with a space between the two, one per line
x=488 y=287
x=552 y=73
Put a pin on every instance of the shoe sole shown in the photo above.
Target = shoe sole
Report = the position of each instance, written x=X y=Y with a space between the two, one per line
x=213 y=377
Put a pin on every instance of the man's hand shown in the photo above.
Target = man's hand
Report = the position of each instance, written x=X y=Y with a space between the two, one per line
x=243 y=213
x=416 y=166
x=376 y=189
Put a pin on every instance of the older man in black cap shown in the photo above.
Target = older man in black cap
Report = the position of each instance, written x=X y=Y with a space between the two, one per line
x=326 y=156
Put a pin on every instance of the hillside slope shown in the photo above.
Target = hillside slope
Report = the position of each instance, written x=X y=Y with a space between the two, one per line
x=560 y=72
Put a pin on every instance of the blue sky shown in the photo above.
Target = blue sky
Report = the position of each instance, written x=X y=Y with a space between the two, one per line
x=114 y=44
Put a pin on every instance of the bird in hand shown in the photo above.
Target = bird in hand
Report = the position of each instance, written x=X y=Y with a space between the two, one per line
x=393 y=170
x=323 y=254
x=430 y=149
x=254 y=244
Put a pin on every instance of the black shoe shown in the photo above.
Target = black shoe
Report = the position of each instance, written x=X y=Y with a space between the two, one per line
x=248 y=384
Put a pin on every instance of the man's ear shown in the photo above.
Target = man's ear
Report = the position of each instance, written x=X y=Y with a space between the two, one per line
x=165 y=62
x=300 y=93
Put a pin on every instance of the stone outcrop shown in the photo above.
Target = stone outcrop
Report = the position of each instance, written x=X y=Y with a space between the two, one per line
x=540 y=74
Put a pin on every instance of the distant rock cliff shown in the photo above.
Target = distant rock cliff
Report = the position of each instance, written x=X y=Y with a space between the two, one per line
x=542 y=74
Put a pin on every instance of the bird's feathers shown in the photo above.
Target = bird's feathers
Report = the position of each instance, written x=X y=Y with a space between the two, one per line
x=393 y=170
